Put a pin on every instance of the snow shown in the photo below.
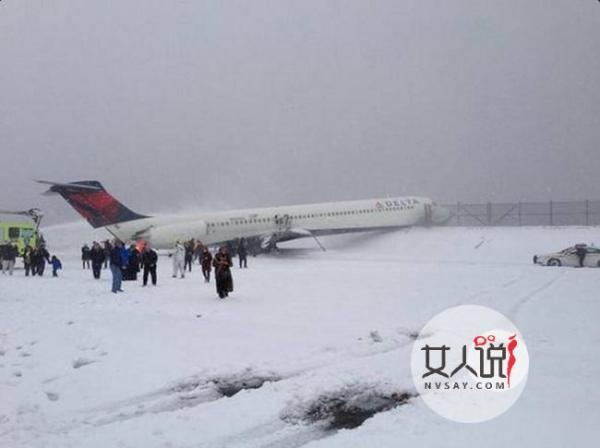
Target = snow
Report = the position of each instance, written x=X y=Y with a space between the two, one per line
x=173 y=366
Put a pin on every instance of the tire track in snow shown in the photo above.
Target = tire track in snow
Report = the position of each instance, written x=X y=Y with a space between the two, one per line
x=523 y=300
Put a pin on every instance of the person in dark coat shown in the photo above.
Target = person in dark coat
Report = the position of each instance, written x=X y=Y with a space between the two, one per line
x=3 y=254
x=149 y=261
x=206 y=260
x=189 y=256
x=243 y=253
x=9 y=257
x=39 y=257
x=133 y=264
x=33 y=260
x=581 y=251
x=97 y=258
x=85 y=256
x=198 y=251
x=224 y=280
x=27 y=260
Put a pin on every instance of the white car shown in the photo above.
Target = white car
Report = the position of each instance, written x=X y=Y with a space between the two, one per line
x=568 y=257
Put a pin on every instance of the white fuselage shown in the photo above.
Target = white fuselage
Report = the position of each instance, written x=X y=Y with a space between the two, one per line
x=283 y=223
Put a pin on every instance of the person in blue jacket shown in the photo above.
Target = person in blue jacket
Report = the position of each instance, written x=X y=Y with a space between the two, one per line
x=56 y=265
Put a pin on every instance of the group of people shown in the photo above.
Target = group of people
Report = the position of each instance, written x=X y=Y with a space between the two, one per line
x=34 y=259
x=125 y=262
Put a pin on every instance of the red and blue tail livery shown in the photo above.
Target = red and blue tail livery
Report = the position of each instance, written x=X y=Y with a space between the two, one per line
x=93 y=202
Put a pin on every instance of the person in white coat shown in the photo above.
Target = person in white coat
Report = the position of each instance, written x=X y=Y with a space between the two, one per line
x=179 y=260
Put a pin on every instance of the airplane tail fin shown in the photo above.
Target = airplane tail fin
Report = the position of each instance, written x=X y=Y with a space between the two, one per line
x=93 y=202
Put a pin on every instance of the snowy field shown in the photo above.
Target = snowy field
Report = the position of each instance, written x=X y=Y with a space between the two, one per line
x=173 y=366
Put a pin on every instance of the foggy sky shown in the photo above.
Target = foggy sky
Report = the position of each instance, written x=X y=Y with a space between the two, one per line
x=176 y=105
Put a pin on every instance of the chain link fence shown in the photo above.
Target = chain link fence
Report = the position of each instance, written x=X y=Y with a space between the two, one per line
x=564 y=213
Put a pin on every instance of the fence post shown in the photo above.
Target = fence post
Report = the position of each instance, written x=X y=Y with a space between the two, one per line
x=489 y=213
x=551 y=214
x=458 y=213
x=587 y=212
x=519 y=212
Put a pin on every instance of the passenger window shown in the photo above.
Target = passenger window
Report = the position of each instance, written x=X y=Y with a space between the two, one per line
x=27 y=233
x=13 y=233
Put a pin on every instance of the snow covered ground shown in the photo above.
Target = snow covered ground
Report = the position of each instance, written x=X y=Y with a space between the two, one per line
x=173 y=366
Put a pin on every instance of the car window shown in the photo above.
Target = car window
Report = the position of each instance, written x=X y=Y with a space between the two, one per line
x=593 y=250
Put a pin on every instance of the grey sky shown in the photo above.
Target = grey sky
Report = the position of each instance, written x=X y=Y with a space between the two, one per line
x=196 y=104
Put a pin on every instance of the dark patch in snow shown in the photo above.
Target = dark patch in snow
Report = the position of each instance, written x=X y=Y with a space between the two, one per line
x=478 y=245
x=52 y=396
x=411 y=334
x=2 y=352
x=375 y=336
x=80 y=362
x=190 y=393
x=347 y=408
x=228 y=387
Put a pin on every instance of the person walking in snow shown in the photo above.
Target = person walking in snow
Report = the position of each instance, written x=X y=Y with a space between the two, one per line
x=243 y=253
x=581 y=251
x=85 y=256
x=3 y=253
x=149 y=261
x=116 y=265
x=206 y=260
x=27 y=260
x=189 y=255
x=97 y=257
x=179 y=260
x=224 y=280
x=133 y=263
x=198 y=251
x=39 y=257
x=56 y=265
x=9 y=256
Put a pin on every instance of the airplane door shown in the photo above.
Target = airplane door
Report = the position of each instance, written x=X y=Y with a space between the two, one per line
x=283 y=223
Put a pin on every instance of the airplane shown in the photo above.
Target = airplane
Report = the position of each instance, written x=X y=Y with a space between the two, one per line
x=268 y=226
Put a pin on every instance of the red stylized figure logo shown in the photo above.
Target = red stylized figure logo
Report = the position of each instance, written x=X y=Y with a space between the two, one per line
x=512 y=359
